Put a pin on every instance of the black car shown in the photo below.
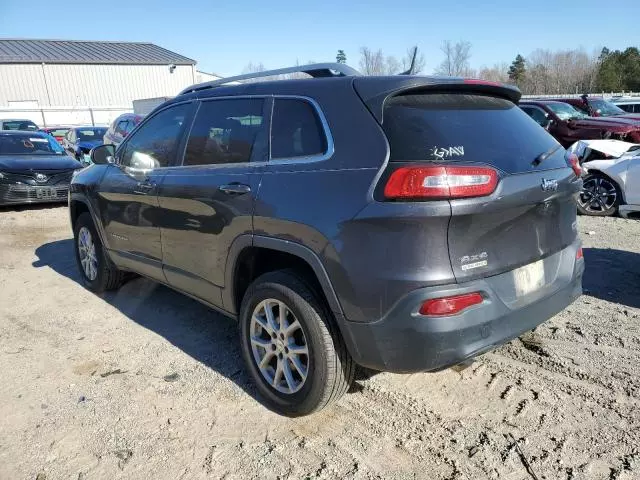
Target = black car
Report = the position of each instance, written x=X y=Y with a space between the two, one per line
x=33 y=168
x=401 y=223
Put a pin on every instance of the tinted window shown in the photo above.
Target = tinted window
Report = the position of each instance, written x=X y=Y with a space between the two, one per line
x=296 y=130
x=224 y=131
x=604 y=108
x=452 y=127
x=154 y=144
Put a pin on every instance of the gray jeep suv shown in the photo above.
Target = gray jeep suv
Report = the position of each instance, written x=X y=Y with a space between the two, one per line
x=400 y=223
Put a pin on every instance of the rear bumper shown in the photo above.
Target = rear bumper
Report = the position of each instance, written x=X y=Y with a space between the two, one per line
x=405 y=341
x=15 y=194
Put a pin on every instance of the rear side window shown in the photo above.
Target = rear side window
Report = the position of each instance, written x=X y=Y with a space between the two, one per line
x=296 y=130
x=224 y=131
x=451 y=127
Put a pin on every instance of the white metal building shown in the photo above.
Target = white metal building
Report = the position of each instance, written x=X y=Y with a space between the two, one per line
x=54 y=73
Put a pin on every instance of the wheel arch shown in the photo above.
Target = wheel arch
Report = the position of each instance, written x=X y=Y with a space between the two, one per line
x=79 y=204
x=290 y=253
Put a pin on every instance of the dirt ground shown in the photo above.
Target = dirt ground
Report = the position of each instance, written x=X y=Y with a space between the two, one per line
x=147 y=384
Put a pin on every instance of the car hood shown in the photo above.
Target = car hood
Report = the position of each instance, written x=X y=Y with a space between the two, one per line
x=20 y=163
x=629 y=116
x=615 y=124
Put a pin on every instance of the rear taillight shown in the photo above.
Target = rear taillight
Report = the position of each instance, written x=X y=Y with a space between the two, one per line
x=477 y=81
x=438 y=307
x=441 y=182
x=579 y=254
x=574 y=163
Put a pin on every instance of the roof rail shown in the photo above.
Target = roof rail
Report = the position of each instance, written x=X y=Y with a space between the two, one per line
x=316 y=70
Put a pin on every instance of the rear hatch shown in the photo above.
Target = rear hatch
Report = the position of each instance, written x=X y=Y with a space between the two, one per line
x=530 y=214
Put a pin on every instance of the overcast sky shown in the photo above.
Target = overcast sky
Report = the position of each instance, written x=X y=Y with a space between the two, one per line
x=223 y=37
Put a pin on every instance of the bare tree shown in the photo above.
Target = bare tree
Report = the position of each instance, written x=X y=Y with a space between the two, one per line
x=496 y=73
x=392 y=66
x=560 y=72
x=372 y=63
x=456 y=58
x=419 y=63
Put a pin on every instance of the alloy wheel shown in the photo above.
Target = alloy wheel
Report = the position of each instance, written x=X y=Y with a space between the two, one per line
x=279 y=346
x=87 y=253
x=598 y=195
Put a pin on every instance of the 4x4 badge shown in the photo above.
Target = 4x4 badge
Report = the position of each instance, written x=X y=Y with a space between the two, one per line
x=549 y=185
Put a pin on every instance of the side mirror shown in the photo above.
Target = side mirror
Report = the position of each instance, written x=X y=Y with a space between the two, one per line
x=103 y=154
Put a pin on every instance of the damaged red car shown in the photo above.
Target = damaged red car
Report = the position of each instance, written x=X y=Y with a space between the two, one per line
x=568 y=124
x=599 y=107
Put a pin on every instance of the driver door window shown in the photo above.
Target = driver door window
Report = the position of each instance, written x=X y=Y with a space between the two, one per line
x=155 y=143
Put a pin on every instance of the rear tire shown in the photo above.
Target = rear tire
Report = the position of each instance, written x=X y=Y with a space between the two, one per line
x=307 y=382
x=600 y=196
x=97 y=271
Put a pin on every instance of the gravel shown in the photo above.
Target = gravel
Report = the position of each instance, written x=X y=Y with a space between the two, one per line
x=146 y=383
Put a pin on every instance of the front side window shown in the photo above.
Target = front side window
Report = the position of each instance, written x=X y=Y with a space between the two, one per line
x=296 y=130
x=224 y=131
x=154 y=144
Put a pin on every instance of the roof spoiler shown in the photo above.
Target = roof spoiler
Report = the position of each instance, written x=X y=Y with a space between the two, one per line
x=315 y=70
x=375 y=91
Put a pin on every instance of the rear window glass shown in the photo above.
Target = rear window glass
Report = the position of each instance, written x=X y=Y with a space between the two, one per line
x=296 y=130
x=58 y=132
x=451 y=127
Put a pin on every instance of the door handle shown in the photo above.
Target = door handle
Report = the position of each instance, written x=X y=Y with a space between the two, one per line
x=235 y=189
x=143 y=188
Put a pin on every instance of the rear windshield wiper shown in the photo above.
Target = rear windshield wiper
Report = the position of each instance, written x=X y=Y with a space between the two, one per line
x=543 y=156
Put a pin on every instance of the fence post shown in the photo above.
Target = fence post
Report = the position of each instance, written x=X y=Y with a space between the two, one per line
x=93 y=123
x=44 y=120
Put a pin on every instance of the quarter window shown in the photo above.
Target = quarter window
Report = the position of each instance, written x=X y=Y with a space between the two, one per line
x=154 y=144
x=296 y=130
x=224 y=131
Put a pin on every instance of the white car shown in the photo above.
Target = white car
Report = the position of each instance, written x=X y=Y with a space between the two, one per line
x=611 y=177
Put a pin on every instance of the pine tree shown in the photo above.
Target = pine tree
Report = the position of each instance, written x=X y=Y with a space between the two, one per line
x=341 y=57
x=517 y=70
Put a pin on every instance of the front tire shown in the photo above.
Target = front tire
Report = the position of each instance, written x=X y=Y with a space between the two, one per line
x=600 y=196
x=291 y=346
x=97 y=271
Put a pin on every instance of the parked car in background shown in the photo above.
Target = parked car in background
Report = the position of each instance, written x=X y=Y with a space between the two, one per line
x=120 y=128
x=568 y=124
x=33 y=168
x=628 y=104
x=18 y=124
x=80 y=140
x=57 y=132
x=612 y=177
x=599 y=107
x=277 y=203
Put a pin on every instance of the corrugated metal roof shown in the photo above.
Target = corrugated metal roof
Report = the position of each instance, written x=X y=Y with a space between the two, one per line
x=77 y=51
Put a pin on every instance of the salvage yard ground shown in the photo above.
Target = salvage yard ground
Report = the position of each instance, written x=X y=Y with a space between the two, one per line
x=144 y=383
